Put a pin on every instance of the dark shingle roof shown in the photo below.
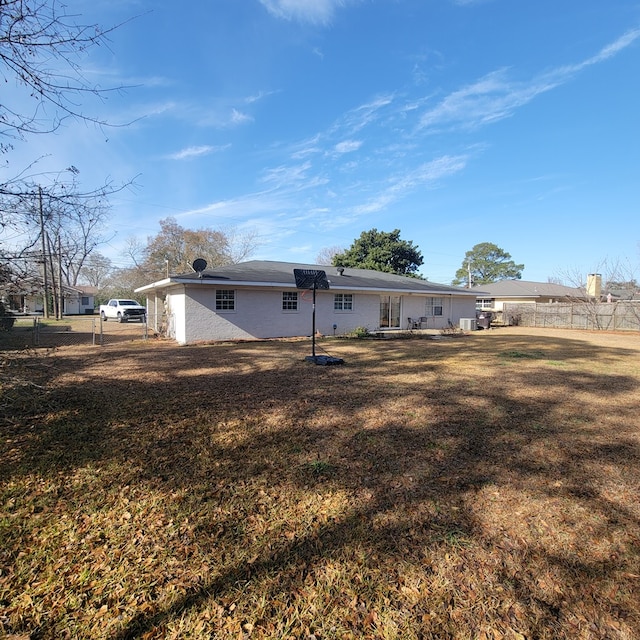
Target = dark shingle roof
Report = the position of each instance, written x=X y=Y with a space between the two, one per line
x=267 y=272
x=527 y=289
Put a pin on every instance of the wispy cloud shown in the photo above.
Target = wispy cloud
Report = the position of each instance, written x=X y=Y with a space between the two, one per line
x=306 y=148
x=496 y=96
x=238 y=117
x=347 y=146
x=426 y=174
x=284 y=175
x=491 y=98
x=365 y=114
x=295 y=177
x=316 y=163
x=220 y=113
x=618 y=45
x=194 y=152
x=241 y=208
x=313 y=11
x=258 y=96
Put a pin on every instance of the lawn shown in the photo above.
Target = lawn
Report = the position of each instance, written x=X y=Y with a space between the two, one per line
x=480 y=487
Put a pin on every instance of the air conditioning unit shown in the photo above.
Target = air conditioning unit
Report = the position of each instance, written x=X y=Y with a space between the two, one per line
x=468 y=324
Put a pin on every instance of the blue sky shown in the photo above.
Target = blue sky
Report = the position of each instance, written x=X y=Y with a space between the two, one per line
x=307 y=122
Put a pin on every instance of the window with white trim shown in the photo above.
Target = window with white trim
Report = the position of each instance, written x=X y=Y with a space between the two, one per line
x=433 y=307
x=484 y=303
x=343 y=302
x=225 y=300
x=289 y=300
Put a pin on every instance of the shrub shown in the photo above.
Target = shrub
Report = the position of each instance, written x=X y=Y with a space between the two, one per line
x=7 y=319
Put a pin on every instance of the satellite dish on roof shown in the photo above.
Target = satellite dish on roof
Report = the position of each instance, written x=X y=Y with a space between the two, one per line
x=199 y=265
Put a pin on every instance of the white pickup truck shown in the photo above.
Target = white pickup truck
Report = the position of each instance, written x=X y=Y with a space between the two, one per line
x=123 y=311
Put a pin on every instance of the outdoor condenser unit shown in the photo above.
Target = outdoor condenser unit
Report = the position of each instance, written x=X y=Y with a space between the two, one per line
x=468 y=324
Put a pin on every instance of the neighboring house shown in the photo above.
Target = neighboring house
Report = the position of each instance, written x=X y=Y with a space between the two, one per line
x=259 y=299
x=79 y=300
x=492 y=297
x=28 y=298
x=628 y=293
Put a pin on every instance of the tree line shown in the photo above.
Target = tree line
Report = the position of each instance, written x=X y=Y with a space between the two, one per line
x=49 y=223
x=386 y=251
x=51 y=227
x=171 y=251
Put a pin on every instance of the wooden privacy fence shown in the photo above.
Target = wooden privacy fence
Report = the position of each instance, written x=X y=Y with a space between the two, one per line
x=606 y=316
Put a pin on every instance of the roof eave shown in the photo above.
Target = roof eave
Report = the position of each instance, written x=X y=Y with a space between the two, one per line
x=167 y=282
x=154 y=285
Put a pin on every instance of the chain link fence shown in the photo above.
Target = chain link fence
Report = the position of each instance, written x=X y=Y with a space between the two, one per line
x=30 y=331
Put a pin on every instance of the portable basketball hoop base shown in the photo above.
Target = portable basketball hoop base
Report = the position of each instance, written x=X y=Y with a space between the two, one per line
x=314 y=279
x=324 y=360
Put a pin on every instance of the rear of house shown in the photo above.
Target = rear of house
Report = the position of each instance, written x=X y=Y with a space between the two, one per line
x=259 y=299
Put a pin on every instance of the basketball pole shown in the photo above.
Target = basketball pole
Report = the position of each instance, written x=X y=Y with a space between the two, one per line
x=313 y=321
x=314 y=279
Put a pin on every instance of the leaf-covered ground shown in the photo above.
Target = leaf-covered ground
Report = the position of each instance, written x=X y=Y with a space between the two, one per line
x=482 y=487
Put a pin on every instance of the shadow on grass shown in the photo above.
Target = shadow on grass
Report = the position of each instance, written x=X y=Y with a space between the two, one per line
x=416 y=453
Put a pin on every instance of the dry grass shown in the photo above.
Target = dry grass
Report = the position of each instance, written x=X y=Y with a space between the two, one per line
x=484 y=487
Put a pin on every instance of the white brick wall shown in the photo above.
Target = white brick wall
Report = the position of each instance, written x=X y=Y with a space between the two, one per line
x=259 y=314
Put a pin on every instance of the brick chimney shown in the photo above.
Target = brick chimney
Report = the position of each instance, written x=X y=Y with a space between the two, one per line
x=594 y=285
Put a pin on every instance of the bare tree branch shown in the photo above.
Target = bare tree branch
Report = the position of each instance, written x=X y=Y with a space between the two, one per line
x=40 y=48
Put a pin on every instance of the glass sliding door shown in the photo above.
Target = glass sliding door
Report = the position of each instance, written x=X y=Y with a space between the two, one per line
x=389 y=312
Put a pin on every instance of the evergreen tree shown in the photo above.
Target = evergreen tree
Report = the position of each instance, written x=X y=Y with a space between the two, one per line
x=381 y=251
x=486 y=263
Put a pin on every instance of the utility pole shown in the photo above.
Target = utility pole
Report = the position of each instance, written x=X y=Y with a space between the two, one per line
x=45 y=278
x=469 y=270
x=60 y=292
x=52 y=278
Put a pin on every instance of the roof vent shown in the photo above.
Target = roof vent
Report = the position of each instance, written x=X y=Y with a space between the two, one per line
x=340 y=270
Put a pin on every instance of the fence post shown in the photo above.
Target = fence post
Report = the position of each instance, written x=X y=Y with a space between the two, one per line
x=36 y=331
x=571 y=316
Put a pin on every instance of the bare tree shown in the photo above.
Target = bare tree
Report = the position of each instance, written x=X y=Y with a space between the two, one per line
x=40 y=49
x=608 y=293
x=327 y=254
x=240 y=245
x=60 y=214
x=96 y=270
x=134 y=251
x=122 y=283
x=174 y=249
